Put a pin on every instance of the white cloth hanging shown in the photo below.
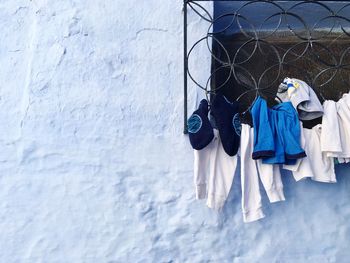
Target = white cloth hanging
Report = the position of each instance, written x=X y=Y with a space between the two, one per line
x=317 y=164
x=330 y=135
x=322 y=165
x=335 y=136
x=250 y=170
x=343 y=110
x=214 y=171
x=302 y=168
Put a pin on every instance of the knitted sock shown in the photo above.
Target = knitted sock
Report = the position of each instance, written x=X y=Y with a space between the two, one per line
x=199 y=128
x=227 y=120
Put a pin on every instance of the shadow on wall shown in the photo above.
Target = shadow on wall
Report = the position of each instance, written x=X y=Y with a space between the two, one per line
x=311 y=210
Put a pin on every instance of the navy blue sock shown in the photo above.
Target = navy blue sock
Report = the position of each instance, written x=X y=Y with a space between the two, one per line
x=199 y=128
x=227 y=120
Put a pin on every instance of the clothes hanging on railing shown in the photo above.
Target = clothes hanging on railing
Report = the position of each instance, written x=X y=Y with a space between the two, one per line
x=276 y=133
x=316 y=165
x=331 y=143
x=213 y=173
x=215 y=158
x=199 y=127
x=226 y=116
x=342 y=115
x=276 y=141
x=251 y=170
x=303 y=98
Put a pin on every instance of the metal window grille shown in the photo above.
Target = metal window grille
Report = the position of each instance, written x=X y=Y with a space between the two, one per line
x=255 y=44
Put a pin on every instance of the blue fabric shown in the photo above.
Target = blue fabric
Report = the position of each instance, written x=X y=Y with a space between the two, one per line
x=264 y=143
x=226 y=115
x=236 y=124
x=278 y=156
x=200 y=130
x=276 y=133
x=194 y=123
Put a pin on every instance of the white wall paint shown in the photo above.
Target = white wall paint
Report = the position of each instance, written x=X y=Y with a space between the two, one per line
x=93 y=163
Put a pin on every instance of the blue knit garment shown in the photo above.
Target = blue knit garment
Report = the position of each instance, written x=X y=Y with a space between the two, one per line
x=199 y=128
x=226 y=115
x=276 y=133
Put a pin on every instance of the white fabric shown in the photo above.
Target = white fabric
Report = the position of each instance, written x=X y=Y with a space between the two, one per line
x=343 y=160
x=302 y=168
x=316 y=164
x=330 y=136
x=322 y=165
x=201 y=168
x=343 y=110
x=270 y=176
x=250 y=170
x=251 y=198
x=214 y=171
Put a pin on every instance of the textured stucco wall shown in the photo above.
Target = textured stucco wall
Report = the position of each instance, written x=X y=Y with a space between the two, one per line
x=93 y=163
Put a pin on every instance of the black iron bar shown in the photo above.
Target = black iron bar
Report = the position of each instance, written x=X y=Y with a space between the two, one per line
x=185 y=131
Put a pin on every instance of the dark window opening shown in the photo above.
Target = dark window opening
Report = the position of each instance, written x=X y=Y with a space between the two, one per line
x=257 y=44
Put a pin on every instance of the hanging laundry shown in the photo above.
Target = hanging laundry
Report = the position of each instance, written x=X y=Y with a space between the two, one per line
x=343 y=112
x=301 y=164
x=250 y=171
x=270 y=176
x=278 y=137
x=317 y=165
x=335 y=136
x=226 y=117
x=303 y=98
x=264 y=137
x=251 y=198
x=331 y=143
x=322 y=165
x=276 y=133
x=200 y=131
x=214 y=171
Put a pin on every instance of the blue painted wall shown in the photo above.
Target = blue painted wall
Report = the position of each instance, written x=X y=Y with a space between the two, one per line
x=93 y=163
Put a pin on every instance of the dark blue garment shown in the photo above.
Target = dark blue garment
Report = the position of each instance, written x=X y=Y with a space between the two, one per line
x=199 y=128
x=226 y=115
x=276 y=133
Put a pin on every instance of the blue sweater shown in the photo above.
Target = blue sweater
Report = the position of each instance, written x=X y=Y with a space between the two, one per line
x=276 y=133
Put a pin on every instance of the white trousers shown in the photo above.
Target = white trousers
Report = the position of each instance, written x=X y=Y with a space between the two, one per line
x=214 y=171
x=250 y=170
